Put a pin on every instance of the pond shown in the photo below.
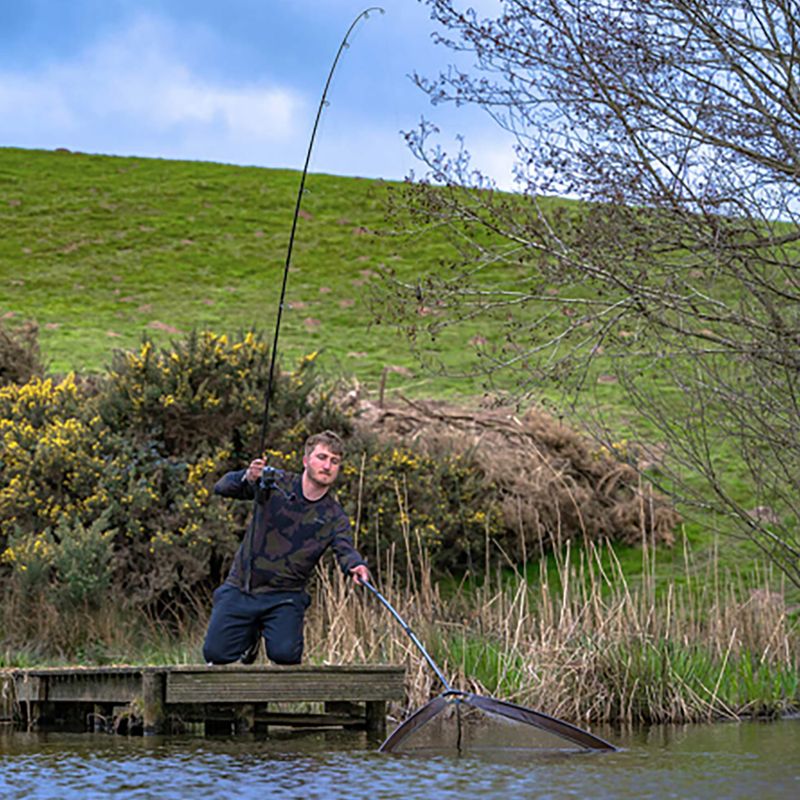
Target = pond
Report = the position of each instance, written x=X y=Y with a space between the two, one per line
x=725 y=760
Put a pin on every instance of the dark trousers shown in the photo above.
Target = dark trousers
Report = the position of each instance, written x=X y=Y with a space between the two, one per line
x=238 y=618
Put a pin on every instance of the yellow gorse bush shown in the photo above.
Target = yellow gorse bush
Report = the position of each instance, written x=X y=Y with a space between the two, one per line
x=118 y=471
x=50 y=453
x=38 y=399
x=399 y=496
x=204 y=380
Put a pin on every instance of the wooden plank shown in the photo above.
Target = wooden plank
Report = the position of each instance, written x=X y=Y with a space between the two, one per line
x=283 y=684
x=30 y=688
x=153 y=690
x=78 y=684
x=87 y=687
x=7 y=696
x=47 y=672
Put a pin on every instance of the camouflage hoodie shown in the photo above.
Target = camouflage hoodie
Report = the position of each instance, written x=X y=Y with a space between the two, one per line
x=287 y=534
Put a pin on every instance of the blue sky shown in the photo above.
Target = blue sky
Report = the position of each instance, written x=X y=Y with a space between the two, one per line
x=235 y=81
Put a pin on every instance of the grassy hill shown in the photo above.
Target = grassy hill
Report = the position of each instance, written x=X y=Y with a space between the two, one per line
x=98 y=250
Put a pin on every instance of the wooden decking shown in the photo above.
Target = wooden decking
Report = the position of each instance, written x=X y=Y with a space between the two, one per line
x=233 y=698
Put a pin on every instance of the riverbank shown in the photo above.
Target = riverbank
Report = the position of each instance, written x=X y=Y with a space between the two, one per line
x=579 y=641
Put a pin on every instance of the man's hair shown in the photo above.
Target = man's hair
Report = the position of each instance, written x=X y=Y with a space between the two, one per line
x=329 y=439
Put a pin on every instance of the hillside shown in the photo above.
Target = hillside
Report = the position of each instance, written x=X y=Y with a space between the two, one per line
x=97 y=250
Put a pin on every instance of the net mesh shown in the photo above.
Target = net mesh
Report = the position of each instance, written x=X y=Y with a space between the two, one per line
x=459 y=728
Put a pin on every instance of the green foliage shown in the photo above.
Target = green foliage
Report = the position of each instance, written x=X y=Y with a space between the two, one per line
x=70 y=564
x=105 y=484
x=198 y=392
x=487 y=661
x=82 y=561
x=440 y=508
x=29 y=558
x=668 y=681
x=206 y=392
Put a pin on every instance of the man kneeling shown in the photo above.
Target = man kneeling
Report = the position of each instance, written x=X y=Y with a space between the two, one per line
x=295 y=520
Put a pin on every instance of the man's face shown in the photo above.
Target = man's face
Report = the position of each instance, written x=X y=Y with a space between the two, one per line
x=321 y=465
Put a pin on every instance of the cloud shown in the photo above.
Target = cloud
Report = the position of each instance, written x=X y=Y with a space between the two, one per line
x=151 y=86
x=135 y=85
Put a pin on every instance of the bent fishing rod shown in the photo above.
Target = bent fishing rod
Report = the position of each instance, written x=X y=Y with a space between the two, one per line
x=344 y=45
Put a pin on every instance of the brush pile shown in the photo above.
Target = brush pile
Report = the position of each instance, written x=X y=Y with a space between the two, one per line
x=551 y=483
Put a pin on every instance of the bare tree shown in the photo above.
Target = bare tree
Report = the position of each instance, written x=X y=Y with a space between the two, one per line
x=675 y=128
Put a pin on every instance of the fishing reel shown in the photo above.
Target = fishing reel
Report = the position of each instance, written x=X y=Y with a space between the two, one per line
x=269 y=477
x=269 y=481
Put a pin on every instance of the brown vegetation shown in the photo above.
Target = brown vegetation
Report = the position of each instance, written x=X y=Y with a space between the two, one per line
x=584 y=645
x=551 y=483
x=20 y=359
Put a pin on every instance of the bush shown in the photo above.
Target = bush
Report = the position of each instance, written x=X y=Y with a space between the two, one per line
x=82 y=561
x=20 y=359
x=190 y=397
x=105 y=486
x=52 y=456
x=140 y=449
x=69 y=565
x=438 y=504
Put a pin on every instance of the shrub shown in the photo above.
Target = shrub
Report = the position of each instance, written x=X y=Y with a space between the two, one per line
x=207 y=392
x=139 y=449
x=51 y=456
x=105 y=486
x=196 y=393
x=438 y=504
x=20 y=359
x=82 y=560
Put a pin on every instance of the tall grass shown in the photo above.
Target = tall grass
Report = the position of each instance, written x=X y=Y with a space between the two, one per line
x=579 y=640
x=585 y=645
x=581 y=643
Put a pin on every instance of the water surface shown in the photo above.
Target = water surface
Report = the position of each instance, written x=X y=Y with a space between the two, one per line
x=726 y=760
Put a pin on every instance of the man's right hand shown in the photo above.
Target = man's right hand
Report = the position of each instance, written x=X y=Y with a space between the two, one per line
x=255 y=469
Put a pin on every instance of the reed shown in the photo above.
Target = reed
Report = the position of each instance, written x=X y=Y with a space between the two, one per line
x=570 y=636
x=580 y=643
x=584 y=645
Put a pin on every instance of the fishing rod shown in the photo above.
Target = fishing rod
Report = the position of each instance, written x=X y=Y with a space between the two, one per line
x=344 y=44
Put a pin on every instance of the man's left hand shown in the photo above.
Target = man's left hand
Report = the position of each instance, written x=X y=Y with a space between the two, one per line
x=360 y=573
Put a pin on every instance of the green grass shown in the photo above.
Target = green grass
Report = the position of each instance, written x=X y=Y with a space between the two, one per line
x=100 y=250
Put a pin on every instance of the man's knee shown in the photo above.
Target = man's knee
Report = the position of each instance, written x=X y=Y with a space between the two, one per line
x=213 y=655
x=285 y=652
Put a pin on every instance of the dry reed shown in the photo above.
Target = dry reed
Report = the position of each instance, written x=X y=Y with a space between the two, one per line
x=582 y=643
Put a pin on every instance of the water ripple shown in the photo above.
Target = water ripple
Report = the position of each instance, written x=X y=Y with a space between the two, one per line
x=700 y=762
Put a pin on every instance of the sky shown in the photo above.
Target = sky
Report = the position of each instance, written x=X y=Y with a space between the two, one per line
x=232 y=81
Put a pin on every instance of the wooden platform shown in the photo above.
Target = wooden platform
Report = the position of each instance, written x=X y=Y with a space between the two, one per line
x=233 y=698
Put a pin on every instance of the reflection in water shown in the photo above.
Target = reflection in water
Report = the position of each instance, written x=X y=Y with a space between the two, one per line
x=744 y=760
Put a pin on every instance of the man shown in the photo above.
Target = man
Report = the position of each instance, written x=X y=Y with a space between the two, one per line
x=295 y=519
